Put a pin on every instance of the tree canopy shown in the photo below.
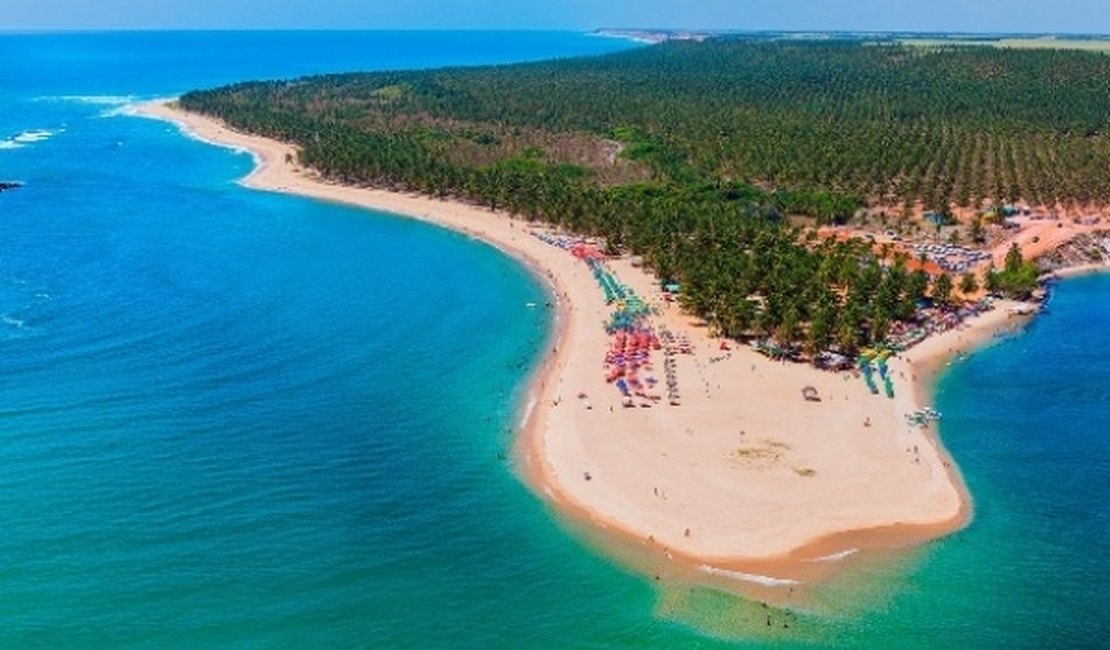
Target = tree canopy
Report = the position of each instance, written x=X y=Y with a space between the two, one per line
x=693 y=154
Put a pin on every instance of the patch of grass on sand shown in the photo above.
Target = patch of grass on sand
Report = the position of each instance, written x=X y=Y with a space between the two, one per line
x=761 y=455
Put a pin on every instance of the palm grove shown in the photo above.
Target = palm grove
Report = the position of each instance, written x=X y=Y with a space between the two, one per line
x=691 y=154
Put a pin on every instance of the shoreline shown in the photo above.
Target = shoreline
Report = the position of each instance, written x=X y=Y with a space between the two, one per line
x=757 y=520
x=1081 y=270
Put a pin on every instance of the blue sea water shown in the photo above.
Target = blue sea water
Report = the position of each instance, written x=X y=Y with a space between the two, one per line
x=237 y=419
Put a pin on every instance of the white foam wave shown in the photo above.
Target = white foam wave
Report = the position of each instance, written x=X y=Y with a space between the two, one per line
x=30 y=136
x=836 y=556
x=117 y=104
x=527 y=412
x=189 y=133
x=13 y=321
x=128 y=109
x=34 y=135
x=96 y=100
x=767 y=581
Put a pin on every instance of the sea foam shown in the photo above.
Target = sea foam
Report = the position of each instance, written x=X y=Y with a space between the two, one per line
x=833 y=557
x=128 y=109
x=767 y=581
x=34 y=135
x=114 y=104
x=97 y=100
x=30 y=136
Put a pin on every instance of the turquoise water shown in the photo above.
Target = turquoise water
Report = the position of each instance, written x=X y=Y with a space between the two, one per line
x=235 y=419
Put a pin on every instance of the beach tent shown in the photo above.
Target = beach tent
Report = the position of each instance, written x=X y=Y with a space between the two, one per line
x=934 y=218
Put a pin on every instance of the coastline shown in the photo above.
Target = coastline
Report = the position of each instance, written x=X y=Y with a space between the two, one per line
x=1083 y=269
x=730 y=514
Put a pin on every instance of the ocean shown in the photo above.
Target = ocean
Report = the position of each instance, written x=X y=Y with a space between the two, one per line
x=237 y=419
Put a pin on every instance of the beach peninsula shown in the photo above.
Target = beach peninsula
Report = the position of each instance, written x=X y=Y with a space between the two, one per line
x=760 y=469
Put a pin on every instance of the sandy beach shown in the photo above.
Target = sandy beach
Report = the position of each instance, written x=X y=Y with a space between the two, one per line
x=745 y=476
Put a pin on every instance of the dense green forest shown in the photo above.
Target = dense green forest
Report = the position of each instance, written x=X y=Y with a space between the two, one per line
x=690 y=154
x=880 y=122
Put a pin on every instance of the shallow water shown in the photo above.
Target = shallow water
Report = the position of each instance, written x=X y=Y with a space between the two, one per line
x=237 y=419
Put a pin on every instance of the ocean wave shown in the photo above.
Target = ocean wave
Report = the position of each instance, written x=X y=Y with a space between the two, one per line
x=836 y=556
x=127 y=109
x=766 y=581
x=234 y=148
x=30 y=136
x=8 y=319
x=96 y=100
x=114 y=104
x=526 y=412
x=187 y=131
x=34 y=135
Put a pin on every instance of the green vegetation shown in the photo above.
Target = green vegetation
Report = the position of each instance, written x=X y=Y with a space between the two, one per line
x=969 y=284
x=693 y=154
x=1017 y=279
x=942 y=289
x=882 y=123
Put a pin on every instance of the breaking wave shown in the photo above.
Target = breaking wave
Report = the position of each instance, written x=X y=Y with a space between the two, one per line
x=767 y=581
x=96 y=100
x=30 y=136
x=833 y=557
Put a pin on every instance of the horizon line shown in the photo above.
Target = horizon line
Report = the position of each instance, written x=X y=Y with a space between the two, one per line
x=588 y=30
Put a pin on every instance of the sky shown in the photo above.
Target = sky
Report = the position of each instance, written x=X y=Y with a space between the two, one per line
x=1036 y=16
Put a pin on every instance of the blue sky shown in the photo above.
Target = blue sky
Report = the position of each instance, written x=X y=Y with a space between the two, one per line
x=1076 y=16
